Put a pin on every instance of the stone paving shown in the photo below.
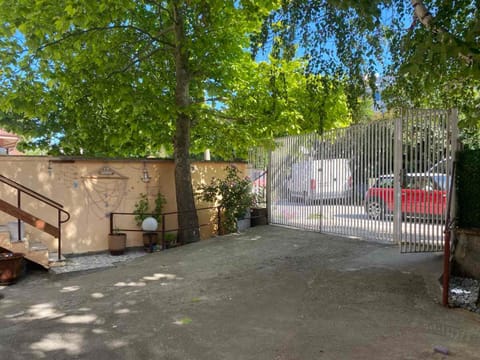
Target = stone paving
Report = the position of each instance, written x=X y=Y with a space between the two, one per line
x=96 y=261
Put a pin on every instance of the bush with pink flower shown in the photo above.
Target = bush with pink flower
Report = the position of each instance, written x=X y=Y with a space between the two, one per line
x=233 y=194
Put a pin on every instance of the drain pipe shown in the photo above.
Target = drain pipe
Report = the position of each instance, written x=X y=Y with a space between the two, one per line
x=446 y=248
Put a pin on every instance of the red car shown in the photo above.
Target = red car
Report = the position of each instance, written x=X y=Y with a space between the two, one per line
x=423 y=195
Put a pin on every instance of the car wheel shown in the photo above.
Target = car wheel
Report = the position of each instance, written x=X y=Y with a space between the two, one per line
x=375 y=209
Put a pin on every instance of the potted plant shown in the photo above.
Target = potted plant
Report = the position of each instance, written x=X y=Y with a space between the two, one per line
x=11 y=267
x=170 y=240
x=143 y=210
x=259 y=216
x=234 y=196
x=117 y=242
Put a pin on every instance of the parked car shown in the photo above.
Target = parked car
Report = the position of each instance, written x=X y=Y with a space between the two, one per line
x=423 y=195
x=325 y=179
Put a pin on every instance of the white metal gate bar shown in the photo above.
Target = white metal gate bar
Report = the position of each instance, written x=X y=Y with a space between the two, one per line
x=320 y=183
x=429 y=141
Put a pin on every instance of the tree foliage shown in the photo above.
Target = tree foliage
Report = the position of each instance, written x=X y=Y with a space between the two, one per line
x=278 y=99
x=102 y=77
x=122 y=77
x=437 y=63
x=427 y=53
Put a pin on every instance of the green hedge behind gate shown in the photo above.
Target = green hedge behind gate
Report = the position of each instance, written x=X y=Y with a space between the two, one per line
x=468 y=188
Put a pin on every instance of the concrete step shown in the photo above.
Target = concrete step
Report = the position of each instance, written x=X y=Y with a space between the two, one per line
x=34 y=251
x=53 y=260
x=38 y=253
x=37 y=246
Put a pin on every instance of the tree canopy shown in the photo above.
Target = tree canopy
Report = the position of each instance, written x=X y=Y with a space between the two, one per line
x=101 y=80
x=426 y=53
x=123 y=76
x=103 y=77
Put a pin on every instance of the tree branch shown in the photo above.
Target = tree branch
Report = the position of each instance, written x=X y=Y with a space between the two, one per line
x=427 y=19
x=135 y=61
x=108 y=28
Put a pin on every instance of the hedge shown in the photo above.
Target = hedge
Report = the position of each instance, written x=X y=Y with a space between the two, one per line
x=468 y=188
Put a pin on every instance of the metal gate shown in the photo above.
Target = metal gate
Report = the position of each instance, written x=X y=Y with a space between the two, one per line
x=385 y=181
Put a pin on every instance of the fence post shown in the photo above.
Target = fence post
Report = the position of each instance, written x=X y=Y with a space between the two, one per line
x=59 y=247
x=111 y=223
x=398 y=174
x=163 y=232
x=219 y=220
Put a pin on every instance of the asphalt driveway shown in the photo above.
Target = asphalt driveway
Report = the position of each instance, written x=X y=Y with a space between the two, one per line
x=269 y=293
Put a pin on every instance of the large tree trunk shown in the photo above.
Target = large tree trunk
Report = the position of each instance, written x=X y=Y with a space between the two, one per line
x=187 y=217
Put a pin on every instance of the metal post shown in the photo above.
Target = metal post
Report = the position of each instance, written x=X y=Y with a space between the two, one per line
x=163 y=232
x=446 y=250
x=59 y=252
x=268 y=197
x=219 y=219
x=19 y=223
x=397 y=171
x=111 y=223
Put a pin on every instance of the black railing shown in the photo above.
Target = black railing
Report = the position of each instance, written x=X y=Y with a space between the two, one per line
x=163 y=216
x=32 y=220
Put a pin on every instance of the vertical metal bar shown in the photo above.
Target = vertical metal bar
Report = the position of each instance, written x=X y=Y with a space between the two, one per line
x=374 y=148
x=367 y=161
x=446 y=254
x=19 y=223
x=111 y=223
x=268 y=195
x=59 y=251
x=451 y=160
x=427 y=237
x=163 y=232
x=219 y=220
x=322 y=207
x=397 y=171
x=380 y=160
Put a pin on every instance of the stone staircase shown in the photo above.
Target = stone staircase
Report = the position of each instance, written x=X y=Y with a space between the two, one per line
x=34 y=251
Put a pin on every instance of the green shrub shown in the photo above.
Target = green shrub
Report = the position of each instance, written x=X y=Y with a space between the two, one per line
x=142 y=208
x=468 y=188
x=233 y=194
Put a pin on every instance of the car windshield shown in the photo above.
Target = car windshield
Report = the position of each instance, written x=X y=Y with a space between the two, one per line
x=415 y=182
x=441 y=181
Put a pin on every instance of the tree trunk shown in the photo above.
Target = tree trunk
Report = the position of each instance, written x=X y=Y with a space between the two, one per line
x=187 y=217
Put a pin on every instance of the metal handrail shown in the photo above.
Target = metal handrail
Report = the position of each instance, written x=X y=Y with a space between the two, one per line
x=59 y=207
x=29 y=191
x=163 y=215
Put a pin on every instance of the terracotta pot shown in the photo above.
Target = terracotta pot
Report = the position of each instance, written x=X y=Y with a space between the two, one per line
x=117 y=243
x=150 y=239
x=11 y=267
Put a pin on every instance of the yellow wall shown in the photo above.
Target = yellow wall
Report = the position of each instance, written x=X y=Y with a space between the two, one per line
x=90 y=197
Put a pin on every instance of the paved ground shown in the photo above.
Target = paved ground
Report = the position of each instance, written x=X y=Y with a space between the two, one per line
x=270 y=293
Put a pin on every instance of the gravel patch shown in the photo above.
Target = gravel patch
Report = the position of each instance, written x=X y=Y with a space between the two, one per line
x=464 y=293
x=95 y=261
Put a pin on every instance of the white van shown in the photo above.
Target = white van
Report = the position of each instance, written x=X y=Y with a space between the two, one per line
x=320 y=180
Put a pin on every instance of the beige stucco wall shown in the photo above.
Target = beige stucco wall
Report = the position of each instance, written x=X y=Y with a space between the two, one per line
x=90 y=197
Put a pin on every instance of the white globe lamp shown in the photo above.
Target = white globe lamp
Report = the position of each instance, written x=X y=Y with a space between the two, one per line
x=149 y=224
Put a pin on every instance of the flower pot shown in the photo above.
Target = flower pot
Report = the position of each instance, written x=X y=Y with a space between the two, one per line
x=243 y=224
x=259 y=216
x=117 y=243
x=11 y=267
x=150 y=240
